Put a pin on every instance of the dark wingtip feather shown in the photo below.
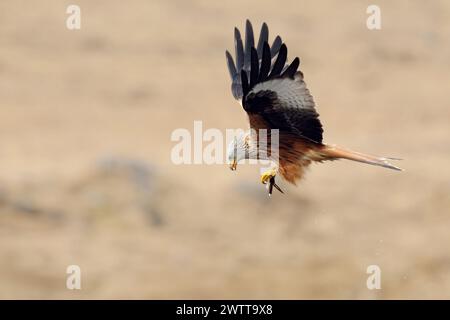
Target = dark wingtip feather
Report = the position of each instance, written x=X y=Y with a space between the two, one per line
x=239 y=49
x=244 y=82
x=249 y=43
x=254 y=70
x=263 y=37
x=230 y=63
x=280 y=62
x=276 y=45
x=248 y=26
x=254 y=64
x=292 y=69
x=265 y=62
x=237 y=34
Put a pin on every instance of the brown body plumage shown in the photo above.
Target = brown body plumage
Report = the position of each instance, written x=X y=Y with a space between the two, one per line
x=274 y=95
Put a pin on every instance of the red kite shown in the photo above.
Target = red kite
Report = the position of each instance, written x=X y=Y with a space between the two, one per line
x=274 y=95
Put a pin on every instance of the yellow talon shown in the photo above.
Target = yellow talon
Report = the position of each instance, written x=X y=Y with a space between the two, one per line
x=267 y=175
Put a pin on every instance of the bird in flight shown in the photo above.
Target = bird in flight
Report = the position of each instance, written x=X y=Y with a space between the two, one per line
x=273 y=93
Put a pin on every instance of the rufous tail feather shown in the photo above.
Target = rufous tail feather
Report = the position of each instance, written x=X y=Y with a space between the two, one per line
x=331 y=152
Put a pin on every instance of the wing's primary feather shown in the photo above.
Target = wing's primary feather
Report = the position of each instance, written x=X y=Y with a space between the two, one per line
x=244 y=58
x=239 y=49
x=230 y=64
x=276 y=45
x=271 y=89
x=290 y=71
x=263 y=38
x=245 y=85
x=279 y=63
x=254 y=70
x=265 y=63
x=249 y=44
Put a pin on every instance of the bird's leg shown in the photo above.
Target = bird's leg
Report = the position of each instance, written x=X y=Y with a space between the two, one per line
x=273 y=184
x=268 y=177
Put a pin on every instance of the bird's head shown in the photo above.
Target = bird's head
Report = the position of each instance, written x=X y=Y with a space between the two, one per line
x=237 y=150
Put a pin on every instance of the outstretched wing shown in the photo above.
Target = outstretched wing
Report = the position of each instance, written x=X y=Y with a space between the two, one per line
x=271 y=90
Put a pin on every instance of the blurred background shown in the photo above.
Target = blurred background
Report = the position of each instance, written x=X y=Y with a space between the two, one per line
x=86 y=176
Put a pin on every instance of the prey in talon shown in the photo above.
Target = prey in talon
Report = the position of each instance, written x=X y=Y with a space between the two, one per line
x=272 y=91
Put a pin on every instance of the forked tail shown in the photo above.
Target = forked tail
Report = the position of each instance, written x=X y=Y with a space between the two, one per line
x=333 y=153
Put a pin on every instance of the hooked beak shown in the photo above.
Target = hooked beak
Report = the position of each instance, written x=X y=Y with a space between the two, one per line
x=233 y=165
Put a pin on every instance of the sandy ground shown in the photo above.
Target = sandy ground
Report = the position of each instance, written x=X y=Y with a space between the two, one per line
x=86 y=176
